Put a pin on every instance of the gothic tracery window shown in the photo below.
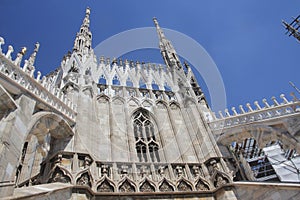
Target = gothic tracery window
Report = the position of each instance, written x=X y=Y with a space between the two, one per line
x=145 y=140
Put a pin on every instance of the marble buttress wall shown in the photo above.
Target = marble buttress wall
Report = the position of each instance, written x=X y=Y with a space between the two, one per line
x=104 y=129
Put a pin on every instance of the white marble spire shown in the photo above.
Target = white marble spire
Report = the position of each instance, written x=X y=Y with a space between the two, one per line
x=166 y=48
x=83 y=40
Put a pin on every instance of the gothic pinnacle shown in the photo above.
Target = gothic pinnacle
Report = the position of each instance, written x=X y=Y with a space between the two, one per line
x=158 y=29
x=83 y=40
x=88 y=11
x=155 y=21
x=33 y=55
x=86 y=20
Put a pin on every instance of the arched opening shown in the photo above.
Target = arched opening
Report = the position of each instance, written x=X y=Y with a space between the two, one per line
x=154 y=86
x=105 y=186
x=142 y=84
x=48 y=134
x=167 y=87
x=147 y=187
x=127 y=186
x=102 y=80
x=116 y=80
x=129 y=83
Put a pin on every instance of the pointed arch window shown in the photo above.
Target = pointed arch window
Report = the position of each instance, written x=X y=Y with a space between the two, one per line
x=154 y=86
x=116 y=80
x=102 y=80
x=129 y=83
x=167 y=87
x=145 y=140
x=142 y=84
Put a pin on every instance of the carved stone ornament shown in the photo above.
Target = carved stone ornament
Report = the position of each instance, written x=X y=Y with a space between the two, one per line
x=104 y=170
x=166 y=187
x=84 y=180
x=173 y=106
x=179 y=171
x=105 y=186
x=126 y=187
x=200 y=186
x=161 y=171
x=87 y=161
x=58 y=176
x=160 y=105
x=183 y=186
x=196 y=171
x=147 y=187
x=220 y=180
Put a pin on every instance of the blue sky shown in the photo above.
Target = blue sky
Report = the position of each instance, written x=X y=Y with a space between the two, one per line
x=244 y=38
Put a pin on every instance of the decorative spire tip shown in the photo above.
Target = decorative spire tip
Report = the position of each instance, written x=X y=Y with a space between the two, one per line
x=88 y=11
x=23 y=50
x=155 y=21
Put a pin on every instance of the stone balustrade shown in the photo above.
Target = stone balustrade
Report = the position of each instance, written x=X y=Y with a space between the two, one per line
x=257 y=113
x=23 y=78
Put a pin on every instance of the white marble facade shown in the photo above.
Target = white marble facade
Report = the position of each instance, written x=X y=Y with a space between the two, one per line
x=112 y=126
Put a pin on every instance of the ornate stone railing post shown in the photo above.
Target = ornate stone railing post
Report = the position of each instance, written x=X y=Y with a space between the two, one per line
x=2 y=42
x=9 y=51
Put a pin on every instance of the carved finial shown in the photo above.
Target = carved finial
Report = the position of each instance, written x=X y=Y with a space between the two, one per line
x=227 y=112
x=20 y=56
x=126 y=62
x=196 y=170
x=143 y=65
x=221 y=114
x=131 y=64
x=234 y=111
x=87 y=11
x=38 y=76
x=249 y=107
x=33 y=55
x=124 y=170
x=155 y=21
x=2 y=42
x=257 y=105
x=114 y=61
x=161 y=170
x=43 y=81
x=25 y=65
x=32 y=71
x=284 y=99
x=179 y=171
x=23 y=51
x=266 y=103
x=138 y=65
x=104 y=169
x=294 y=96
x=242 y=109
x=275 y=101
x=102 y=60
x=186 y=64
x=9 y=51
x=87 y=161
x=143 y=170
